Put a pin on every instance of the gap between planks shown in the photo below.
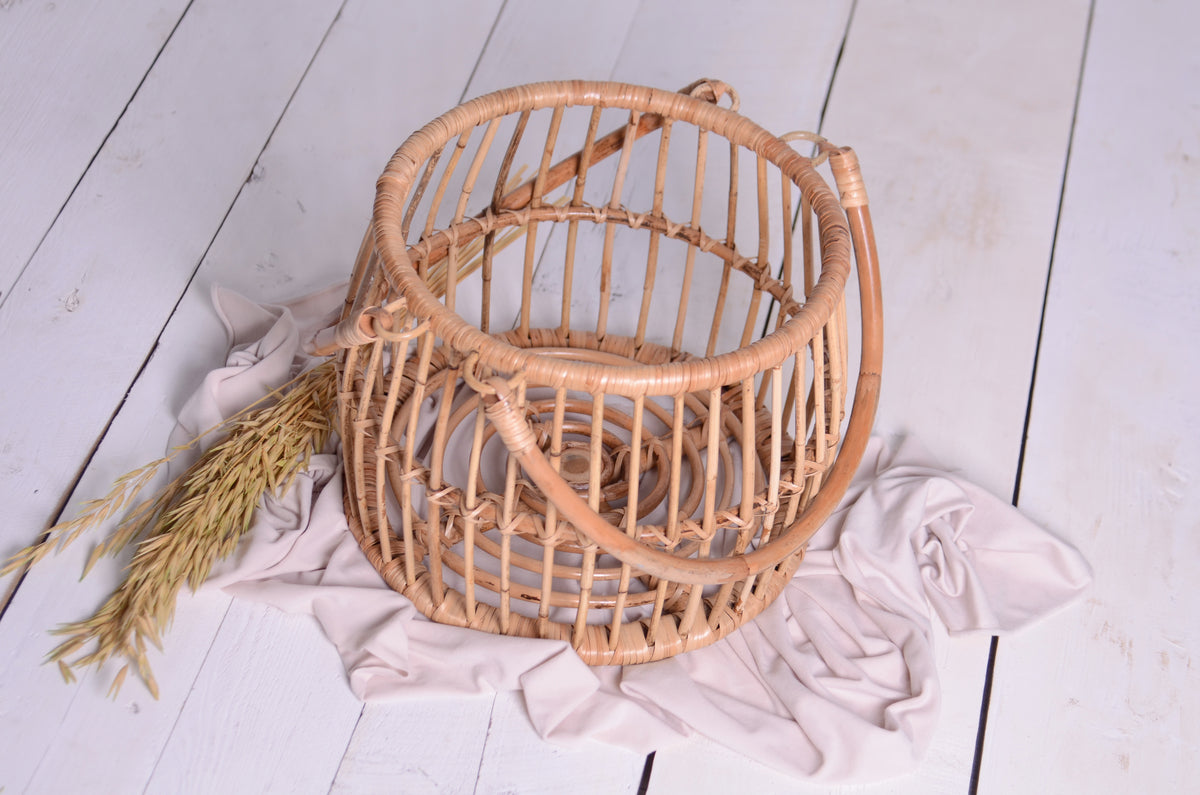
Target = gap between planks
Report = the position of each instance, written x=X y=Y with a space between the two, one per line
x=994 y=646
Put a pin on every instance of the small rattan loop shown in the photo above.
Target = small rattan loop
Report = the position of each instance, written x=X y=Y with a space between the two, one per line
x=824 y=148
x=712 y=91
x=486 y=388
x=473 y=380
x=382 y=324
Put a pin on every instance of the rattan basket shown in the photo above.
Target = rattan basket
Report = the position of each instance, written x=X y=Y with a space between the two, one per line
x=549 y=441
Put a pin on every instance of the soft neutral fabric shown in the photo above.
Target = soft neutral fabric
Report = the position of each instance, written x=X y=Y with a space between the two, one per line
x=836 y=681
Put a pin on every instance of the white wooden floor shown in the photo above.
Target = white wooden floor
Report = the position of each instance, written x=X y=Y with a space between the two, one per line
x=1034 y=169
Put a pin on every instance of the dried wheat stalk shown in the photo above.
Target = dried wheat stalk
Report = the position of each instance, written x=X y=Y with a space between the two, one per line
x=198 y=518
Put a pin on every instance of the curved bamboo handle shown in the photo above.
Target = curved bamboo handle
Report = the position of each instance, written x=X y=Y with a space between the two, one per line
x=521 y=442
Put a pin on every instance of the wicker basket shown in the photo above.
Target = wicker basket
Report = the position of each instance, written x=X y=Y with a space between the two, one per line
x=503 y=411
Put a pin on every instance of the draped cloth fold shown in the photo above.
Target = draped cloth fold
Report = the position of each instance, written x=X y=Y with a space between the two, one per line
x=836 y=681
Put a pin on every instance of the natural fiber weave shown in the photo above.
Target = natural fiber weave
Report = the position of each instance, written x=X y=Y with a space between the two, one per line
x=572 y=465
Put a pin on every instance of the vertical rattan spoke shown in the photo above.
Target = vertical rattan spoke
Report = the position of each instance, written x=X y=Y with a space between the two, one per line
x=550 y=543
x=788 y=226
x=407 y=517
x=794 y=407
x=471 y=502
x=730 y=235
x=772 y=502
x=527 y=279
x=748 y=523
x=817 y=398
x=468 y=186
x=589 y=555
x=485 y=279
x=689 y=264
x=806 y=241
x=362 y=423
x=837 y=375
x=631 y=516
x=585 y=162
x=539 y=183
x=777 y=434
x=435 y=495
x=444 y=182
x=763 y=260
x=660 y=181
x=464 y=196
x=712 y=444
x=510 y=154
x=719 y=310
x=508 y=520
x=386 y=449
x=419 y=192
x=677 y=432
x=610 y=229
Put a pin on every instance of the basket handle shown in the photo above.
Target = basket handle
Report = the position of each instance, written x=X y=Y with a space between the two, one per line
x=519 y=438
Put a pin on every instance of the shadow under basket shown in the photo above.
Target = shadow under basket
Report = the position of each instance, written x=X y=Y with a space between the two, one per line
x=622 y=431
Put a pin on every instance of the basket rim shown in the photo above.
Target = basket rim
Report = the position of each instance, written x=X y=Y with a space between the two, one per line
x=698 y=373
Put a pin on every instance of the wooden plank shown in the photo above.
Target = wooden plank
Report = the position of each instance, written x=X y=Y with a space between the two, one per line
x=122 y=252
x=511 y=752
x=960 y=115
x=282 y=685
x=515 y=759
x=782 y=87
x=108 y=274
x=54 y=736
x=294 y=228
x=669 y=50
x=431 y=745
x=65 y=85
x=1104 y=697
